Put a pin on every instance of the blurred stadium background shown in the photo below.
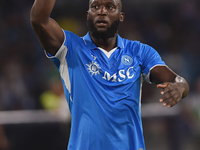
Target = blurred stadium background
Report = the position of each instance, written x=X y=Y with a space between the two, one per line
x=33 y=112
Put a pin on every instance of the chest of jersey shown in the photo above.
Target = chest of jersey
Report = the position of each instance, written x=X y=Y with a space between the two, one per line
x=119 y=67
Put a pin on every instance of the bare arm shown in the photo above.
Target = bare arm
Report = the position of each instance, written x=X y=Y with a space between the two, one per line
x=174 y=87
x=47 y=30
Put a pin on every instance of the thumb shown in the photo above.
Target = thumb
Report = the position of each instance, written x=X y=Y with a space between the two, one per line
x=163 y=85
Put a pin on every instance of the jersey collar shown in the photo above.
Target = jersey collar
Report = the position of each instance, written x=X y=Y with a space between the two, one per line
x=88 y=41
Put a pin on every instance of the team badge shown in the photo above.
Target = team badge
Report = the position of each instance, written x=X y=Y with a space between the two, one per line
x=93 y=68
x=127 y=60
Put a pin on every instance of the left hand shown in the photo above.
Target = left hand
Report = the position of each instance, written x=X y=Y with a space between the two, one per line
x=172 y=93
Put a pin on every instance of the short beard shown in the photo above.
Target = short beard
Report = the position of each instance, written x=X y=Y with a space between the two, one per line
x=104 y=35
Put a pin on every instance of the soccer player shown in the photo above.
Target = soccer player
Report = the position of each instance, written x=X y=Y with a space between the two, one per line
x=102 y=74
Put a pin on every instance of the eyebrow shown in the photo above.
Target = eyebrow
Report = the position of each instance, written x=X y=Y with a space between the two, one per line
x=110 y=1
x=118 y=3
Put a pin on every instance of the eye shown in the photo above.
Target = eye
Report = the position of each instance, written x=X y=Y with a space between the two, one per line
x=95 y=6
x=110 y=7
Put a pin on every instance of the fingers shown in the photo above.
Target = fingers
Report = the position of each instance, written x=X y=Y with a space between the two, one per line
x=171 y=94
x=164 y=87
x=170 y=100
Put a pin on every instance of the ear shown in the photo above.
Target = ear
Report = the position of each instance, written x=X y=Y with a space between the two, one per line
x=87 y=14
x=122 y=16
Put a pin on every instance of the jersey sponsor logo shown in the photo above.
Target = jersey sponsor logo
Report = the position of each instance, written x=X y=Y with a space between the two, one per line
x=93 y=68
x=120 y=76
x=127 y=60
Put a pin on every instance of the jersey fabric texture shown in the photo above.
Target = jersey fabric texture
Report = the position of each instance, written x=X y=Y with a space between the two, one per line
x=104 y=93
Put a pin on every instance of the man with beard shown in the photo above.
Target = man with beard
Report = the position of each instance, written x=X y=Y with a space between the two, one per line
x=102 y=75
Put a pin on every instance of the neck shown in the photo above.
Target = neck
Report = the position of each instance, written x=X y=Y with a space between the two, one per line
x=106 y=44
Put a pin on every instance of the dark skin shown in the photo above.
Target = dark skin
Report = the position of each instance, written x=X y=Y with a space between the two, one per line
x=106 y=11
x=103 y=13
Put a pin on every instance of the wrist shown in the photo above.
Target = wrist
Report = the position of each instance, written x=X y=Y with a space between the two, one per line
x=183 y=85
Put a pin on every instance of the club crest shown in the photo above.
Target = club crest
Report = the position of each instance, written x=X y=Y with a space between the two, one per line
x=127 y=60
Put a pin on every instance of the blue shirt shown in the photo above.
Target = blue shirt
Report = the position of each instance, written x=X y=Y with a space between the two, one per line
x=104 y=94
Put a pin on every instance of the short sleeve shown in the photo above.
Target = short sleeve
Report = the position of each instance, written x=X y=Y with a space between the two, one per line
x=150 y=59
x=63 y=50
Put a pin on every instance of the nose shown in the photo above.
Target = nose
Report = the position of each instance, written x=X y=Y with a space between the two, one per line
x=102 y=11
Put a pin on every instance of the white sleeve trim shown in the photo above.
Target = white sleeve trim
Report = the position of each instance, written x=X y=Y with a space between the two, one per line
x=64 y=72
x=59 y=52
x=147 y=76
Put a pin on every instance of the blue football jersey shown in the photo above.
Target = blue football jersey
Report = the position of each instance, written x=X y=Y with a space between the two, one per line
x=104 y=93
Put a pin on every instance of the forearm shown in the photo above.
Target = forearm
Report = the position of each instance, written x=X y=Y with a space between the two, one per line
x=174 y=87
x=41 y=10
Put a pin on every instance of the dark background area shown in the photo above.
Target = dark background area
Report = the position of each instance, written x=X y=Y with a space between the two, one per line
x=172 y=27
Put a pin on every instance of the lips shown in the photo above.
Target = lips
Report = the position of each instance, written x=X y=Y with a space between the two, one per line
x=101 y=22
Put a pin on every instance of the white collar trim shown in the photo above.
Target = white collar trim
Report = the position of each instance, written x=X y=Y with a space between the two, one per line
x=108 y=54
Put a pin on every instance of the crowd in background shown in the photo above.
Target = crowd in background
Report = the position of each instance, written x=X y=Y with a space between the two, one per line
x=26 y=75
x=172 y=28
